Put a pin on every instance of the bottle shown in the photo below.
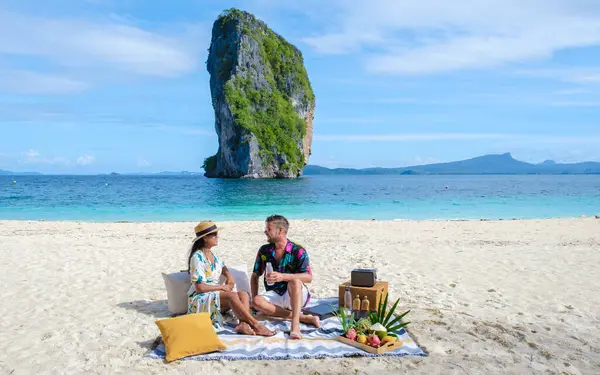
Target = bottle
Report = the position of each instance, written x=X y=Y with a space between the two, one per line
x=364 y=307
x=269 y=270
x=356 y=307
x=348 y=301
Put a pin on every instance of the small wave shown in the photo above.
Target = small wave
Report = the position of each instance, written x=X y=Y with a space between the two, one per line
x=16 y=197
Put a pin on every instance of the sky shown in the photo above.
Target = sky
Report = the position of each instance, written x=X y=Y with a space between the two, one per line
x=103 y=86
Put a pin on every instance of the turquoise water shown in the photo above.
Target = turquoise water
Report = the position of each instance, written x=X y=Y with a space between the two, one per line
x=193 y=198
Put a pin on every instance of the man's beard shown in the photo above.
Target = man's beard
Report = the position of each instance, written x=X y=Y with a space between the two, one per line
x=270 y=240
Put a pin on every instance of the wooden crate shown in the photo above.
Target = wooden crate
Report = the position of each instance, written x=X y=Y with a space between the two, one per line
x=387 y=347
x=374 y=294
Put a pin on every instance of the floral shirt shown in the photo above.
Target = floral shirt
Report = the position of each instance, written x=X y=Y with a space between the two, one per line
x=294 y=260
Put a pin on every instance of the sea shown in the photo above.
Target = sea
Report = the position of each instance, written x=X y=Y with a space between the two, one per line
x=350 y=197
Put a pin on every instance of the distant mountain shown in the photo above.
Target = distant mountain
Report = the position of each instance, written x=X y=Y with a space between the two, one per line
x=182 y=173
x=164 y=173
x=487 y=164
x=9 y=173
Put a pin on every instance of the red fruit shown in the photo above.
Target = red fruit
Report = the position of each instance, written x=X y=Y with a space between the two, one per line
x=374 y=341
x=351 y=334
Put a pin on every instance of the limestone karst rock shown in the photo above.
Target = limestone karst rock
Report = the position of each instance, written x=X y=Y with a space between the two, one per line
x=262 y=98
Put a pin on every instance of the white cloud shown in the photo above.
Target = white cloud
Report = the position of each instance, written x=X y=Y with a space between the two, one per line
x=424 y=137
x=407 y=137
x=393 y=100
x=569 y=92
x=144 y=163
x=85 y=160
x=581 y=76
x=31 y=154
x=430 y=36
x=419 y=160
x=104 y=44
x=180 y=129
x=591 y=78
x=34 y=157
x=575 y=103
x=352 y=120
x=22 y=81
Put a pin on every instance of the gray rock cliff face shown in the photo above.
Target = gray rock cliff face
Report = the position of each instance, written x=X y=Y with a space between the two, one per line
x=262 y=98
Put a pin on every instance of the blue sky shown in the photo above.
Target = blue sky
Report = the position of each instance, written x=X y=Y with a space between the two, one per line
x=121 y=85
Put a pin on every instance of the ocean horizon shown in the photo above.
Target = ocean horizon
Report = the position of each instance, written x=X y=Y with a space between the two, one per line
x=351 y=197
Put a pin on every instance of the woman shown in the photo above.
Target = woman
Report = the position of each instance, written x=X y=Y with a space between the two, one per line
x=206 y=294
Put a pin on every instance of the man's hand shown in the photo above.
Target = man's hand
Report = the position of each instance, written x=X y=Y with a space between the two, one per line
x=275 y=277
x=227 y=287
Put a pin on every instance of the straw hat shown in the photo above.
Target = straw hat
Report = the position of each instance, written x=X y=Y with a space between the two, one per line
x=205 y=228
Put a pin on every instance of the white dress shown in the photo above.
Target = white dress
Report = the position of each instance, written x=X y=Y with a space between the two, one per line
x=202 y=271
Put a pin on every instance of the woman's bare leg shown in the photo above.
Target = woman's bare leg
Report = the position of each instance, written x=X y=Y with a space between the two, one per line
x=242 y=311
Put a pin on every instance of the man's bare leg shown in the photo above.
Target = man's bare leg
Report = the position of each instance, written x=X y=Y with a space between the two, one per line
x=295 y=290
x=267 y=308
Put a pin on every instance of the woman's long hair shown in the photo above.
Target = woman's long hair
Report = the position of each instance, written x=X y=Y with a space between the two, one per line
x=195 y=247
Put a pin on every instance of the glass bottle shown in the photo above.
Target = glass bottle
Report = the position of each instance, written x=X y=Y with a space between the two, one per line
x=356 y=307
x=269 y=270
x=348 y=301
x=364 y=307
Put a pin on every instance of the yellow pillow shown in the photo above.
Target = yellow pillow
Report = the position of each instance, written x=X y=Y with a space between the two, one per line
x=189 y=334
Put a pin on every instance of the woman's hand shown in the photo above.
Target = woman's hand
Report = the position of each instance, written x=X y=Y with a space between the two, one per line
x=229 y=279
x=227 y=287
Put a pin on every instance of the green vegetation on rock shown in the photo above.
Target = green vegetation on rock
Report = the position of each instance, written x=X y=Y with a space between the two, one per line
x=210 y=164
x=267 y=113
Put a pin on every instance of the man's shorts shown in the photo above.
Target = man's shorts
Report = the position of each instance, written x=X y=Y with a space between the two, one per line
x=284 y=300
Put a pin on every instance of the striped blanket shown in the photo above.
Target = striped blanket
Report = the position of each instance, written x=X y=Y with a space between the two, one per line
x=316 y=343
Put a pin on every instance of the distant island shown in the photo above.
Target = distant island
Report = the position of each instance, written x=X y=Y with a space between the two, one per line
x=164 y=173
x=9 y=173
x=487 y=164
x=113 y=174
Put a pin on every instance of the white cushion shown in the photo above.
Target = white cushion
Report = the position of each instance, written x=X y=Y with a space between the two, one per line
x=178 y=284
x=240 y=273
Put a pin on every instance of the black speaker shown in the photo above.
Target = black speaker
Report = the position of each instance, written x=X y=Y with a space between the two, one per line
x=363 y=277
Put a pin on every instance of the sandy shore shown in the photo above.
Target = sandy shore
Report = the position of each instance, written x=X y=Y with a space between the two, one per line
x=493 y=297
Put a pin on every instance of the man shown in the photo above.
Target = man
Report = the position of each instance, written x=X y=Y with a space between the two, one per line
x=288 y=293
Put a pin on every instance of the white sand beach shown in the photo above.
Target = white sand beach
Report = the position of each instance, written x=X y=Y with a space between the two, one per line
x=487 y=297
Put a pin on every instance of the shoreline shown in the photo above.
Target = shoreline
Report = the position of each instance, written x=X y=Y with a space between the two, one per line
x=583 y=217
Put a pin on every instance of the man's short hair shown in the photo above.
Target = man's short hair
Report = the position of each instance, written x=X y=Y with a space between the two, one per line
x=279 y=222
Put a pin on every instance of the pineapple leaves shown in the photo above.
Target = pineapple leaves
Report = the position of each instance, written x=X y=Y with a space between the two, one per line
x=346 y=323
x=379 y=307
x=395 y=328
x=381 y=310
x=390 y=313
x=391 y=324
x=385 y=317
x=373 y=317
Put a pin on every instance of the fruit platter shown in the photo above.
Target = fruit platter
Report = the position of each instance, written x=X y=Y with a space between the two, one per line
x=375 y=333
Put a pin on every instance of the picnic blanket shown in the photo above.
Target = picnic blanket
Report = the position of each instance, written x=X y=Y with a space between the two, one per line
x=316 y=343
